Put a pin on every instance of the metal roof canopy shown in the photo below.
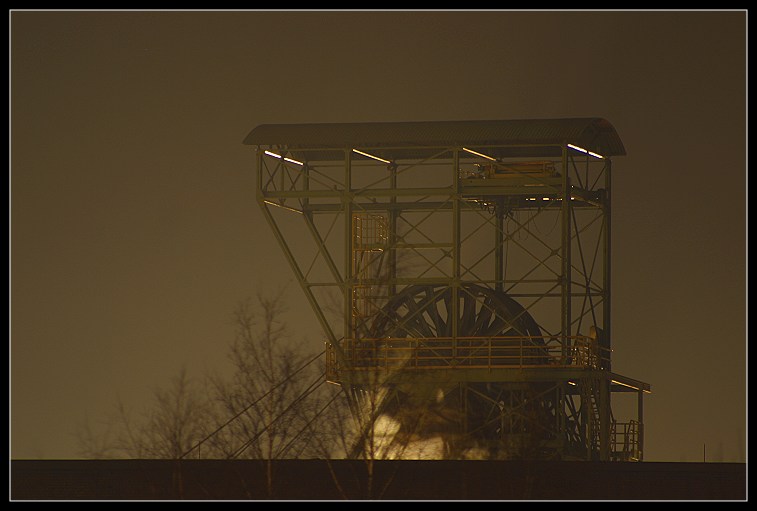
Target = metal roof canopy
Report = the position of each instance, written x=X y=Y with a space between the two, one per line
x=504 y=138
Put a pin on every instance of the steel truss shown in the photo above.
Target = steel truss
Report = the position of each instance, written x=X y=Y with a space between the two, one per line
x=471 y=293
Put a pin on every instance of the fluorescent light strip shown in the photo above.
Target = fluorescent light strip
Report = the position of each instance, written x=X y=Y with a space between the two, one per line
x=371 y=156
x=290 y=160
x=479 y=154
x=578 y=148
x=283 y=207
x=581 y=149
x=631 y=386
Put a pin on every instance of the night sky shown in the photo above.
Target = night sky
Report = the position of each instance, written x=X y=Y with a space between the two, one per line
x=134 y=230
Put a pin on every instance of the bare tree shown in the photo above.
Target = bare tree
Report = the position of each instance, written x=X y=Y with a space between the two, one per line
x=274 y=404
x=175 y=419
x=95 y=444
x=271 y=394
x=363 y=427
x=265 y=408
x=266 y=362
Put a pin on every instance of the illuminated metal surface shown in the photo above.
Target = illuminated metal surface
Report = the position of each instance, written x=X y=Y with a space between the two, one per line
x=594 y=134
x=460 y=270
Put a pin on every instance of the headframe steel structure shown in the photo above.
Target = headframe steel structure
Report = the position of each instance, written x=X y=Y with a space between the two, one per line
x=461 y=271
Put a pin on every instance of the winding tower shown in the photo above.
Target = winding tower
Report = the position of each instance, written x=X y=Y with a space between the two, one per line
x=461 y=274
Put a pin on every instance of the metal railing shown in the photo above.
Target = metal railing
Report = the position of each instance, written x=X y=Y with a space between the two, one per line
x=428 y=353
x=625 y=440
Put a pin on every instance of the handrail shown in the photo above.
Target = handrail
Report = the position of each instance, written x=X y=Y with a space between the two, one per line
x=625 y=440
x=419 y=353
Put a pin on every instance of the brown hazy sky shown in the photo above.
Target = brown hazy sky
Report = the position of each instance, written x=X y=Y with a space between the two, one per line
x=134 y=228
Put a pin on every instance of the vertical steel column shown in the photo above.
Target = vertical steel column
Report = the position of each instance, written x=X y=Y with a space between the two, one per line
x=606 y=275
x=348 y=241
x=393 y=214
x=566 y=243
x=640 y=418
x=498 y=245
x=604 y=418
x=259 y=177
x=606 y=334
x=455 y=297
x=584 y=426
x=305 y=187
x=565 y=211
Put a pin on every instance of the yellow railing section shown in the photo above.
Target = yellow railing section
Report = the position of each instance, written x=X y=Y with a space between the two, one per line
x=421 y=353
x=370 y=235
x=625 y=440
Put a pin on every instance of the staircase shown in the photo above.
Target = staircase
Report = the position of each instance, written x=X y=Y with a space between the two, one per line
x=589 y=388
